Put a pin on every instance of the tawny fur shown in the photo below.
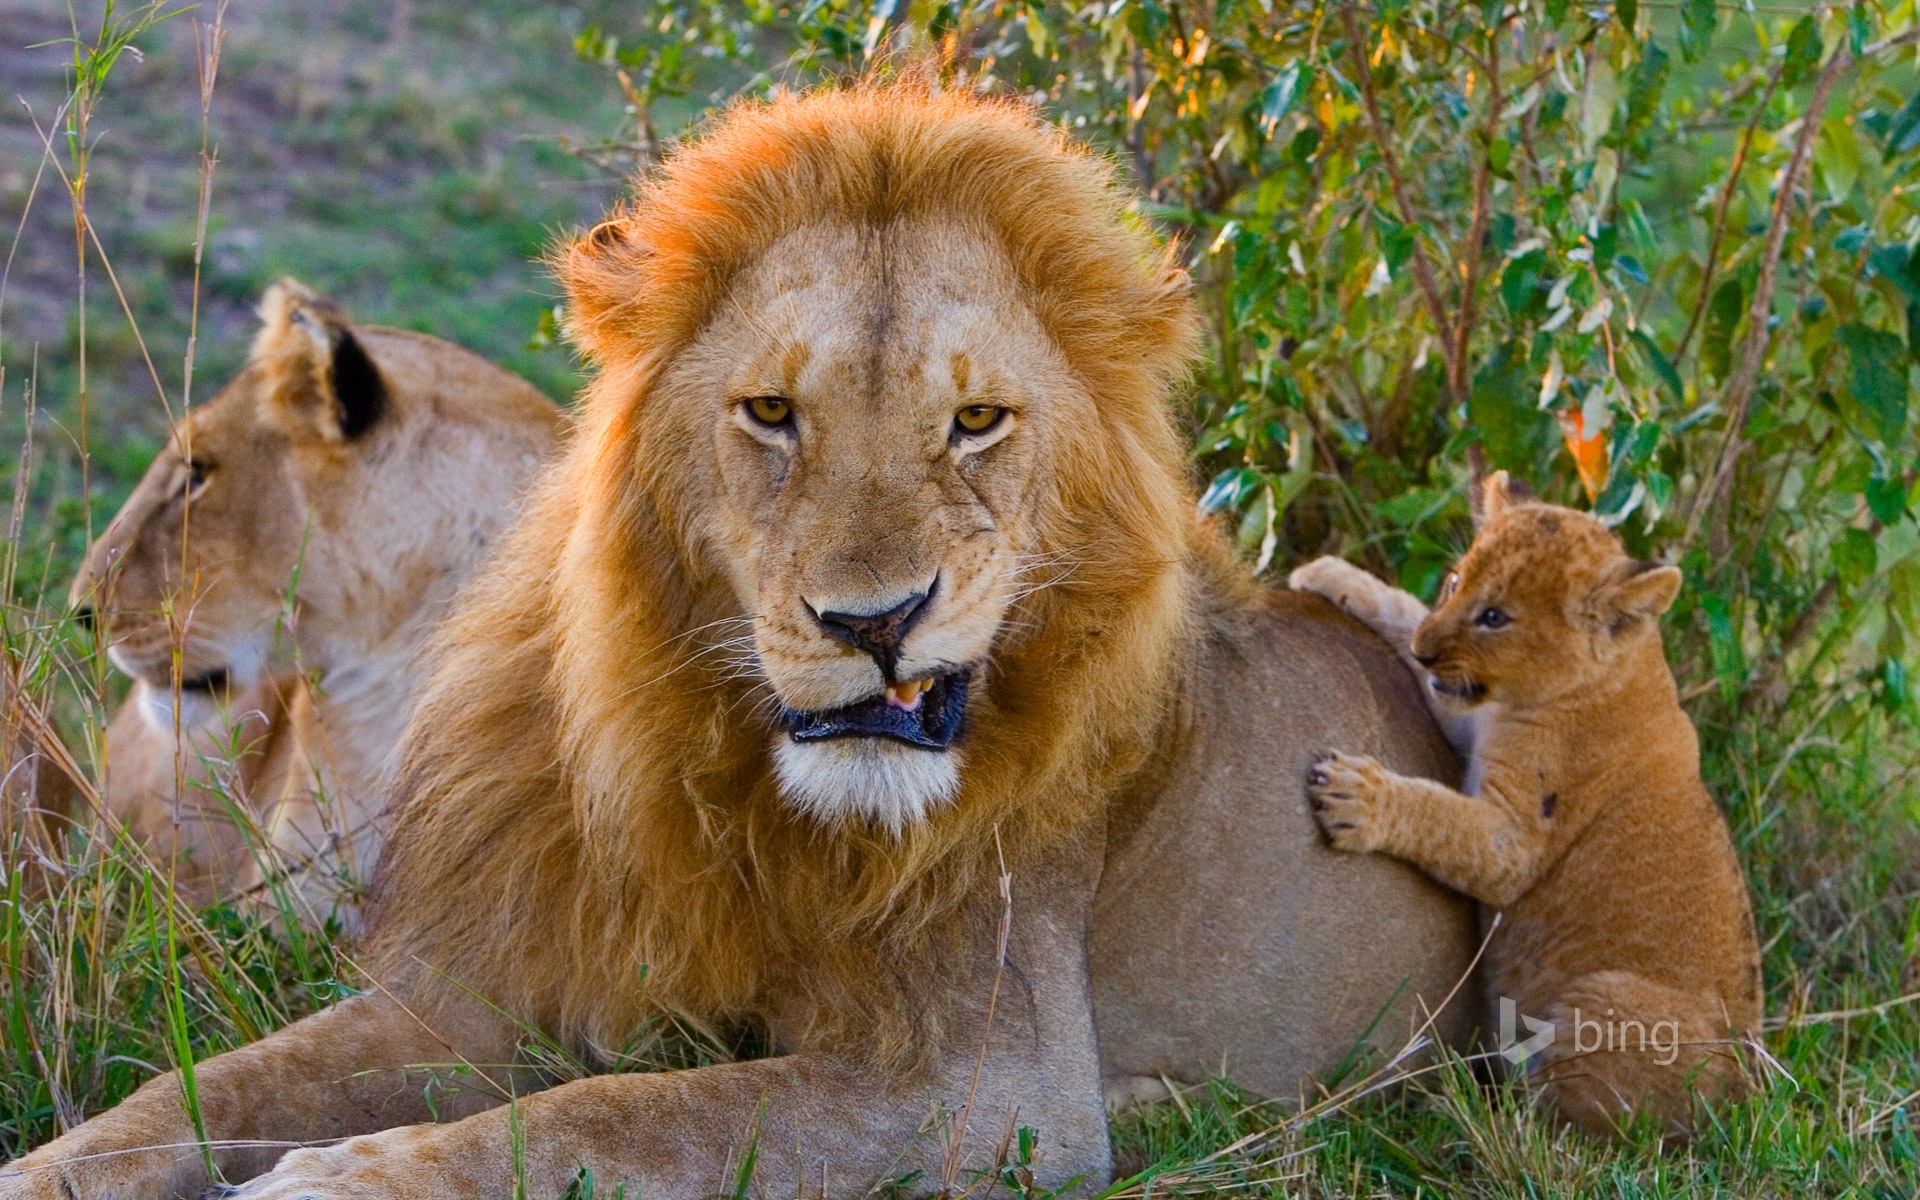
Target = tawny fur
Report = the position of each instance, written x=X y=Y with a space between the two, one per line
x=1126 y=882
x=39 y=798
x=647 y=809
x=263 y=769
x=1587 y=825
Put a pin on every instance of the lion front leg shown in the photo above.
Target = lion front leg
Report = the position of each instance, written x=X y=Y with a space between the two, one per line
x=1472 y=844
x=810 y=1125
x=823 y=1121
x=340 y=1072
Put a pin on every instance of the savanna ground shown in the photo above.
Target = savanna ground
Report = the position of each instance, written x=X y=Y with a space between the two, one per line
x=1658 y=259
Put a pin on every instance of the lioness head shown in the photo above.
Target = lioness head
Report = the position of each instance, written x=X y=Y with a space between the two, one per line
x=336 y=485
x=887 y=385
x=1543 y=604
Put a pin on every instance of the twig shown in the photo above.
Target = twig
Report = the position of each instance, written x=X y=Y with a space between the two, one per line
x=1422 y=273
x=1477 y=227
x=1720 y=215
x=1739 y=394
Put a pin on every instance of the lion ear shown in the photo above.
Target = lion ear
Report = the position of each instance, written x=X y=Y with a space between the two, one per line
x=321 y=383
x=603 y=270
x=1634 y=591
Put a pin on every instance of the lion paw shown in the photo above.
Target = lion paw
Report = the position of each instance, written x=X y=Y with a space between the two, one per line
x=1346 y=793
x=380 y=1166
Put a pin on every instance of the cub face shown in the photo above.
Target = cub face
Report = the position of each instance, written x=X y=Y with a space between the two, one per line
x=1544 y=604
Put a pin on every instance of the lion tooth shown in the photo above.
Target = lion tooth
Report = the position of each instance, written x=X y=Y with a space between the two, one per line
x=907 y=695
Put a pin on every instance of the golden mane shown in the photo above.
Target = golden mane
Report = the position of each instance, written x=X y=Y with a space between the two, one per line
x=588 y=826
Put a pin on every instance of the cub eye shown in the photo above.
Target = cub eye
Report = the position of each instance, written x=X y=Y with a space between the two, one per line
x=977 y=419
x=771 y=411
x=1492 y=618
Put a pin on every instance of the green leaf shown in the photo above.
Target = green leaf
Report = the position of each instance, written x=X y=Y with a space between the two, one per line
x=1803 y=51
x=1643 y=94
x=1502 y=406
x=1903 y=133
x=1629 y=13
x=1723 y=645
x=1662 y=365
x=1877 y=376
x=1723 y=317
x=1413 y=506
x=1854 y=558
x=1230 y=489
x=1886 y=499
x=1520 y=282
x=1277 y=98
x=1697 y=21
x=1900 y=266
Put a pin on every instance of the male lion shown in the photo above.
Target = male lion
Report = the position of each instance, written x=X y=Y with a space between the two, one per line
x=862 y=677
x=310 y=522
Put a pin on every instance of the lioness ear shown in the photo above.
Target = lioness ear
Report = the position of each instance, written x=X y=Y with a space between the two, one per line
x=321 y=383
x=1634 y=591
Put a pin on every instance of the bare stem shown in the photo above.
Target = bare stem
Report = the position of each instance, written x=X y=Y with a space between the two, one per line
x=1422 y=272
x=1720 y=216
x=1739 y=394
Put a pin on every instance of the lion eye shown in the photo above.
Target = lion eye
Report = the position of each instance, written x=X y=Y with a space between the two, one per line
x=1492 y=618
x=771 y=411
x=977 y=419
x=198 y=473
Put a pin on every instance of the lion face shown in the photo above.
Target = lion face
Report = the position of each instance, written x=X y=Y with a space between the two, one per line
x=881 y=447
x=1543 y=604
x=314 y=511
x=197 y=562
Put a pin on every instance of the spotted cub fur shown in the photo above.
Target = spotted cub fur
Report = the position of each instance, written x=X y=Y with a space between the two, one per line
x=1626 y=926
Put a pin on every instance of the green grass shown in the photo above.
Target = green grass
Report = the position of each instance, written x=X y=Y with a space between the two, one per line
x=418 y=178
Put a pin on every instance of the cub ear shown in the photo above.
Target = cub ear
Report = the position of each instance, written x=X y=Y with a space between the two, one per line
x=1496 y=496
x=321 y=383
x=1635 y=591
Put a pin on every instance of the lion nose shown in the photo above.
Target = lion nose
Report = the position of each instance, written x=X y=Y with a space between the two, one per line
x=878 y=634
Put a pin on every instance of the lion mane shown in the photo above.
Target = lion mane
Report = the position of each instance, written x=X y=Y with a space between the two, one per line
x=589 y=831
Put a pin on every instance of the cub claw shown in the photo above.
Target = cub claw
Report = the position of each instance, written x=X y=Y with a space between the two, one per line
x=1344 y=793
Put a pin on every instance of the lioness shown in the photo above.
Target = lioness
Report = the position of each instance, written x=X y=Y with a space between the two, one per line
x=38 y=798
x=309 y=523
x=862 y=677
x=1627 y=927
x=193 y=774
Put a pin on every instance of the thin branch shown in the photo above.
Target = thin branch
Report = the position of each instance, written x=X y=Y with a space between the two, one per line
x=1739 y=394
x=1720 y=216
x=1477 y=227
x=1423 y=273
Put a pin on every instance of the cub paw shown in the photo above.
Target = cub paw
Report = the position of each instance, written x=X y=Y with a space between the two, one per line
x=1336 y=579
x=1346 y=792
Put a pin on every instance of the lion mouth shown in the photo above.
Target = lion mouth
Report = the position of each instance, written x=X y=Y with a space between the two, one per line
x=921 y=712
x=1459 y=689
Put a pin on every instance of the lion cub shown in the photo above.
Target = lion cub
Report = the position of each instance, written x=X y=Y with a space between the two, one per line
x=1626 y=926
